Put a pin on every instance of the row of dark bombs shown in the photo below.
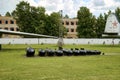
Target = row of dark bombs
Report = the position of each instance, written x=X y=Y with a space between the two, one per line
x=64 y=52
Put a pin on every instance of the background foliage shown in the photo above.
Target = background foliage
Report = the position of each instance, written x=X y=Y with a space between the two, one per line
x=90 y=26
x=35 y=20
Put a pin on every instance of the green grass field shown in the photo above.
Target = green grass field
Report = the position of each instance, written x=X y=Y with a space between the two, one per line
x=14 y=65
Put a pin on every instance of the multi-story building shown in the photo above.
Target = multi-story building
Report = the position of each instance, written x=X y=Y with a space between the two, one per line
x=8 y=23
x=71 y=26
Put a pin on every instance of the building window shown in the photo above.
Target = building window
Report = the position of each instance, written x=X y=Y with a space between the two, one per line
x=6 y=28
x=72 y=30
x=6 y=22
x=17 y=29
x=67 y=23
x=0 y=22
x=72 y=23
x=11 y=22
x=12 y=29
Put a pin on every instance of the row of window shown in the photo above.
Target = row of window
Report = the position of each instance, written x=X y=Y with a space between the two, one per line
x=70 y=23
x=11 y=29
x=71 y=30
x=6 y=22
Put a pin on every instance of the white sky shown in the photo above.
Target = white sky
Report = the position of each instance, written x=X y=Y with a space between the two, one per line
x=69 y=7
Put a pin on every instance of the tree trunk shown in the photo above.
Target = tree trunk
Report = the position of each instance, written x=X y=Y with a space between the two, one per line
x=0 y=44
x=0 y=47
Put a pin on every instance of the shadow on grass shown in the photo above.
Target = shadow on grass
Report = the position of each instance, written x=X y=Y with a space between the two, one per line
x=106 y=45
x=7 y=49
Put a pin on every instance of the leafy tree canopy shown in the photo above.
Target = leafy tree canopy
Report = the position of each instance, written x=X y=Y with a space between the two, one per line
x=34 y=20
x=86 y=21
x=8 y=14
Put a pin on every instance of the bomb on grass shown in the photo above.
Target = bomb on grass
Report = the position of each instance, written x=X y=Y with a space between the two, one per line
x=61 y=52
x=30 y=52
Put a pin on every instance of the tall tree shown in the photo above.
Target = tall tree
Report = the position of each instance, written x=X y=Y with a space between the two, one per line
x=39 y=19
x=8 y=14
x=100 y=26
x=29 y=18
x=93 y=26
x=85 y=27
x=23 y=17
x=53 y=24
x=117 y=12
x=66 y=16
x=107 y=14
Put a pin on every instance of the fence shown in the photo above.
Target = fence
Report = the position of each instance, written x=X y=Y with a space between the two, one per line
x=54 y=41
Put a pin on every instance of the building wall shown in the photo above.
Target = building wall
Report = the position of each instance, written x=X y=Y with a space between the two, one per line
x=71 y=25
x=8 y=23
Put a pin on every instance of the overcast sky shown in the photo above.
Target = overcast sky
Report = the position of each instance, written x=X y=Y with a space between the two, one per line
x=69 y=7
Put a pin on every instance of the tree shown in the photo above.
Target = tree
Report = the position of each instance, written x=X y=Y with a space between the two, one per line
x=29 y=19
x=86 y=21
x=117 y=12
x=107 y=14
x=66 y=16
x=93 y=26
x=23 y=17
x=39 y=19
x=53 y=23
x=8 y=14
x=100 y=26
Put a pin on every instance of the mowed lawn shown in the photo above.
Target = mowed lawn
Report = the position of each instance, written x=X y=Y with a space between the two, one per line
x=14 y=65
